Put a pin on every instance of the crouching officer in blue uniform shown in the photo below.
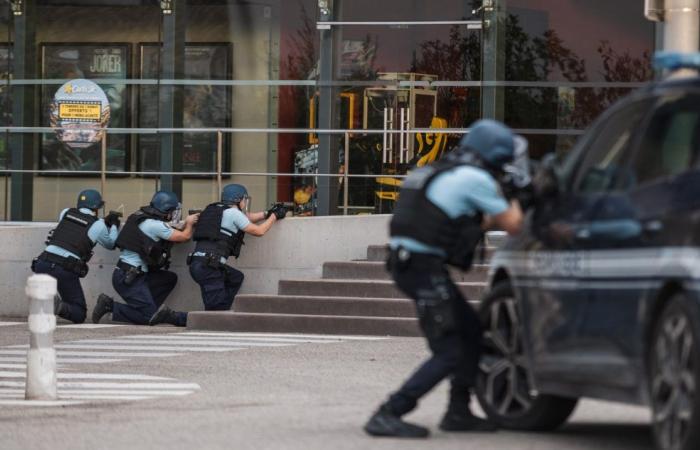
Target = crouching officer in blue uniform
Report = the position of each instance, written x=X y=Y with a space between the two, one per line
x=438 y=221
x=69 y=249
x=219 y=234
x=141 y=277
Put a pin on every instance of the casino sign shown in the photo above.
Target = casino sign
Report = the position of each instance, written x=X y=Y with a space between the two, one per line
x=79 y=112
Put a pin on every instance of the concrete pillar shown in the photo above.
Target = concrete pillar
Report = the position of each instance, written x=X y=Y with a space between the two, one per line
x=41 y=358
x=681 y=29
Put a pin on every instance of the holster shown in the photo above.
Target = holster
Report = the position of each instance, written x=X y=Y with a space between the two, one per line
x=436 y=313
x=131 y=275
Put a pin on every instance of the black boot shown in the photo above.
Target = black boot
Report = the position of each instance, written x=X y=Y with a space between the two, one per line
x=385 y=423
x=58 y=306
x=164 y=315
x=105 y=305
x=465 y=421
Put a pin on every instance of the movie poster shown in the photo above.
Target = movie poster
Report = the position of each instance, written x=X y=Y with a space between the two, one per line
x=205 y=106
x=91 y=62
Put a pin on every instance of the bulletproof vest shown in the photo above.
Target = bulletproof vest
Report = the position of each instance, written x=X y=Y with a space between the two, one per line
x=211 y=238
x=72 y=233
x=416 y=217
x=156 y=254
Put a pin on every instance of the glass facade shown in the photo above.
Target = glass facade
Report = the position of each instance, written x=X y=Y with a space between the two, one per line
x=325 y=107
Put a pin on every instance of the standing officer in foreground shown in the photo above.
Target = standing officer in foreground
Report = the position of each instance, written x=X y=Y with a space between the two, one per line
x=438 y=221
x=141 y=277
x=69 y=249
x=219 y=235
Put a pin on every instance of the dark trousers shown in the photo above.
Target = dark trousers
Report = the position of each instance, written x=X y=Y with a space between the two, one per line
x=219 y=285
x=69 y=288
x=143 y=296
x=451 y=327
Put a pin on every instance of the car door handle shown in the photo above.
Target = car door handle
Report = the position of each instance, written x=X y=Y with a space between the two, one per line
x=583 y=234
x=653 y=226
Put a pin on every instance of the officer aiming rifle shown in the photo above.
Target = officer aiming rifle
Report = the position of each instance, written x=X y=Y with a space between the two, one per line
x=439 y=220
x=219 y=235
x=69 y=249
x=142 y=277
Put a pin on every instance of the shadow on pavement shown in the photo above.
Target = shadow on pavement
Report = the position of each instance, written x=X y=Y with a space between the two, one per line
x=601 y=435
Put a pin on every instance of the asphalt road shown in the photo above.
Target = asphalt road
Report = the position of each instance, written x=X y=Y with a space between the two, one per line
x=211 y=391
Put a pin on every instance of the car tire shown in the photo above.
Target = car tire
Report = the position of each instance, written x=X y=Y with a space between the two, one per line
x=504 y=383
x=674 y=375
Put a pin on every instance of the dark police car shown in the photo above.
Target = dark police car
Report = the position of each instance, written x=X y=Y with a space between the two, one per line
x=599 y=296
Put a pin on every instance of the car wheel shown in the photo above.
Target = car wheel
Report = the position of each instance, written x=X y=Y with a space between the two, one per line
x=674 y=374
x=504 y=383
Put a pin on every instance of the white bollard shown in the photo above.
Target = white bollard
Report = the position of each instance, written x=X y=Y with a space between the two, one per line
x=41 y=359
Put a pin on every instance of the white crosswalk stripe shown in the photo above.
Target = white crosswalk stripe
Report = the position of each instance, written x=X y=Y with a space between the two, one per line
x=7 y=324
x=76 y=387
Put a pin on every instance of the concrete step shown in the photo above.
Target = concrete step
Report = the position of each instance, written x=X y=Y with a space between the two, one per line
x=301 y=323
x=324 y=306
x=376 y=270
x=361 y=288
x=381 y=252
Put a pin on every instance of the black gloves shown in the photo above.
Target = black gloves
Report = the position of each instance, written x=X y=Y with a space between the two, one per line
x=278 y=209
x=113 y=219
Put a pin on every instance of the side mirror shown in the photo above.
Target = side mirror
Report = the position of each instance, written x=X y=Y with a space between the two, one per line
x=546 y=183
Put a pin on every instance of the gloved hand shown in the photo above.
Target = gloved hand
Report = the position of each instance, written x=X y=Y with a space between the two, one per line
x=113 y=219
x=279 y=210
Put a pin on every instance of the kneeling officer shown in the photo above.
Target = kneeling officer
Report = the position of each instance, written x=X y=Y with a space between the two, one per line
x=219 y=235
x=438 y=221
x=69 y=249
x=141 y=277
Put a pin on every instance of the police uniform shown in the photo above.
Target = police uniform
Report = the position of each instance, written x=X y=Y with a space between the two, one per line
x=141 y=277
x=437 y=223
x=67 y=254
x=219 y=235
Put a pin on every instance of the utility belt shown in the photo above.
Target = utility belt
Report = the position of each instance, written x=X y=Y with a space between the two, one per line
x=131 y=272
x=401 y=258
x=69 y=264
x=209 y=259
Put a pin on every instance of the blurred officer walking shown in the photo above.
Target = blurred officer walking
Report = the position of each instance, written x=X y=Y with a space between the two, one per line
x=142 y=277
x=219 y=235
x=440 y=218
x=69 y=249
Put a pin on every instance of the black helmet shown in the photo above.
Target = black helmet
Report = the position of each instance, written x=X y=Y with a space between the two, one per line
x=90 y=199
x=165 y=201
x=233 y=194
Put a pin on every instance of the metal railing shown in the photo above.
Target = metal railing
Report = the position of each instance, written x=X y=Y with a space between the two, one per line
x=219 y=173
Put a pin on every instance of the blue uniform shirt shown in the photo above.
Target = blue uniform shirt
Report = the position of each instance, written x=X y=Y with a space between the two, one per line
x=97 y=233
x=233 y=220
x=466 y=190
x=154 y=229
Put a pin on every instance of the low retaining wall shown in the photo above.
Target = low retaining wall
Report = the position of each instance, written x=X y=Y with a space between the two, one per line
x=294 y=248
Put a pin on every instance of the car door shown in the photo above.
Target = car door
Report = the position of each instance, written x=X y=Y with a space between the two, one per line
x=636 y=235
x=555 y=309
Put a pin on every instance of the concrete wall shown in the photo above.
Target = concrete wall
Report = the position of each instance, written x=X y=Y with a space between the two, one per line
x=294 y=248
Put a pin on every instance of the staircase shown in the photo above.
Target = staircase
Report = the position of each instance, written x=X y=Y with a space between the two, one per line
x=351 y=298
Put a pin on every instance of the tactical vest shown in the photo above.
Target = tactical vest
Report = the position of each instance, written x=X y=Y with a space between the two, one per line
x=72 y=233
x=211 y=238
x=416 y=217
x=156 y=254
